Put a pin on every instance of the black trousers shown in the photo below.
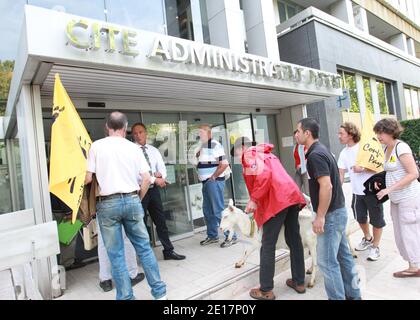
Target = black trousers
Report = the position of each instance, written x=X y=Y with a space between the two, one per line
x=271 y=231
x=152 y=206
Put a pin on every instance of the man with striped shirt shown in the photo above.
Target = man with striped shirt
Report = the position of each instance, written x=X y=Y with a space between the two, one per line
x=211 y=168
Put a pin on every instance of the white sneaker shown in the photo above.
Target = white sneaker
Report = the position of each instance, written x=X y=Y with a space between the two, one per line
x=165 y=297
x=364 y=244
x=374 y=254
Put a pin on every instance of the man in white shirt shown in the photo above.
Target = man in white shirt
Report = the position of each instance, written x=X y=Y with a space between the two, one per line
x=123 y=175
x=152 y=202
x=362 y=203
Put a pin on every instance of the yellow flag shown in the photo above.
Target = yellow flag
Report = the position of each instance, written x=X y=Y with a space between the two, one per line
x=70 y=144
x=371 y=154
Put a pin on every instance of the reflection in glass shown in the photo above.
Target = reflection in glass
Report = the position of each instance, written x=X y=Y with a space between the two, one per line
x=138 y=14
x=350 y=85
x=91 y=9
x=368 y=94
x=216 y=121
x=238 y=126
x=11 y=19
x=383 y=105
x=408 y=104
x=5 y=194
x=205 y=21
x=265 y=131
x=179 y=19
x=163 y=133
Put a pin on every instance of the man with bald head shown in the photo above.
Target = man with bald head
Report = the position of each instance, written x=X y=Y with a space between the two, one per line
x=123 y=177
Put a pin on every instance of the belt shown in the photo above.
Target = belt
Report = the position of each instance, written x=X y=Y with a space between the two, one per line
x=116 y=195
x=217 y=179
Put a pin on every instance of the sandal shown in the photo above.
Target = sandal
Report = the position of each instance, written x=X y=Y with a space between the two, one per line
x=407 y=274
x=256 y=293
x=298 y=288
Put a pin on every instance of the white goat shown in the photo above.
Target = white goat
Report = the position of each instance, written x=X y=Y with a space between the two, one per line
x=234 y=217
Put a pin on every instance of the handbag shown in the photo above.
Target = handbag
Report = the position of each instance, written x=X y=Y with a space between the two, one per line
x=90 y=235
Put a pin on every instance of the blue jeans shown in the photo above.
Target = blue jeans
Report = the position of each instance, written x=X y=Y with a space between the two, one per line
x=213 y=205
x=127 y=211
x=335 y=259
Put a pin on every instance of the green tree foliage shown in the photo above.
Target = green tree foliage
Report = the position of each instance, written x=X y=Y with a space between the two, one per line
x=411 y=134
x=6 y=71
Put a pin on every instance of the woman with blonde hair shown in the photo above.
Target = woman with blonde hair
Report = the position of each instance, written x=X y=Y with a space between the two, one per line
x=403 y=190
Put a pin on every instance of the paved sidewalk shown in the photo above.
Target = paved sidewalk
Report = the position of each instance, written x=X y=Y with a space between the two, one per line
x=377 y=280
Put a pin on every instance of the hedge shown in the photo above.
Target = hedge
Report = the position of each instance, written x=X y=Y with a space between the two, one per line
x=411 y=134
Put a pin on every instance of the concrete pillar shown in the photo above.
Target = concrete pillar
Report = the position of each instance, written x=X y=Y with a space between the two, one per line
x=411 y=49
x=375 y=99
x=343 y=10
x=361 y=96
x=260 y=28
x=400 y=110
x=399 y=41
x=226 y=24
x=35 y=177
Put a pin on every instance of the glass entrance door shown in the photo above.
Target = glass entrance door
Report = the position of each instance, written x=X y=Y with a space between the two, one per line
x=192 y=122
x=163 y=133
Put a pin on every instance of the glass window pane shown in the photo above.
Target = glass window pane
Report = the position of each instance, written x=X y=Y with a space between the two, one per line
x=265 y=131
x=408 y=105
x=5 y=195
x=350 y=84
x=291 y=11
x=415 y=103
x=216 y=121
x=389 y=97
x=163 y=133
x=282 y=12
x=90 y=9
x=179 y=19
x=382 y=97
x=18 y=170
x=11 y=18
x=205 y=21
x=138 y=14
x=368 y=94
x=238 y=125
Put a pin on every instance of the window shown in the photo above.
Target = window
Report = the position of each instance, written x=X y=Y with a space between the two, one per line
x=204 y=22
x=408 y=105
x=287 y=10
x=349 y=81
x=389 y=97
x=90 y=9
x=138 y=14
x=415 y=103
x=382 y=98
x=179 y=19
x=368 y=94
x=5 y=195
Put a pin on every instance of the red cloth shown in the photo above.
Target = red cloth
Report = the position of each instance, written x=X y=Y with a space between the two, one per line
x=268 y=184
x=296 y=155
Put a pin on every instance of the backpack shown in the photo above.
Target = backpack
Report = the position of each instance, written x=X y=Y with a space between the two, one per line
x=398 y=157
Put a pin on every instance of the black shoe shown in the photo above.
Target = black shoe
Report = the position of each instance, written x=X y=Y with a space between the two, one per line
x=173 y=256
x=228 y=243
x=106 y=285
x=209 y=241
x=139 y=278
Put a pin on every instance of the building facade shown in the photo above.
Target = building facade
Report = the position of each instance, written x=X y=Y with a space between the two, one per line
x=247 y=67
